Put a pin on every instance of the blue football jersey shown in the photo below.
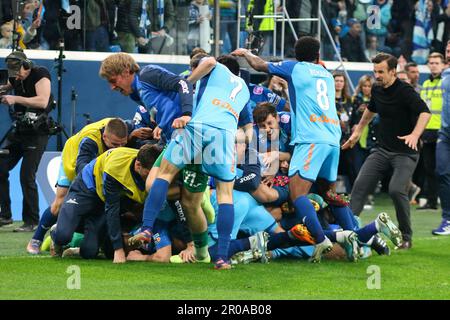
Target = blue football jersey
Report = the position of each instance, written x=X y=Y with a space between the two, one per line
x=284 y=137
x=157 y=87
x=220 y=98
x=312 y=96
x=260 y=94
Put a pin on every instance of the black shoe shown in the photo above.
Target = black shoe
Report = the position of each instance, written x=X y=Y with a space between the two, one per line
x=380 y=246
x=5 y=221
x=26 y=228
x=428 y=207
x=406 y=245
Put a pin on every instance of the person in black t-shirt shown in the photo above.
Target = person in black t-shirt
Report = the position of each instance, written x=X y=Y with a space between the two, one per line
x=403 y=118
x=29 y=137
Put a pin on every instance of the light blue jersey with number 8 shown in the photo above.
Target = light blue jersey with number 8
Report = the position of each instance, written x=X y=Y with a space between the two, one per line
x=312 y=95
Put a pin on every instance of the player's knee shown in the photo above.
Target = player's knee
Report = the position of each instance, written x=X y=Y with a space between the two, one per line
x=88 y=250
x=61 y=237
x=396 y=191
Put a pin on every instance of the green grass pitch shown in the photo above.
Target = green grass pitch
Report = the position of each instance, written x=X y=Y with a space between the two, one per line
x=420 y=273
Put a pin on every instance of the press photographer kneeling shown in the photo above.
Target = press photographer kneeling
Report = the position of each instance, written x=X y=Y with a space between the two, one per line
x=28 y=136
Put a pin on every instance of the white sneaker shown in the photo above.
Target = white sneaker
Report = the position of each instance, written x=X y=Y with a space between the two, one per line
x=71 y=252
x=259 y=242
x=245 y=257
x=321 y=248
x=389 y=229
x=349 y=241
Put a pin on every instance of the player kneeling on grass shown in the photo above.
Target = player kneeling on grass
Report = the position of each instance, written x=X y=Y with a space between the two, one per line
x=95 y=197
x=79 y=150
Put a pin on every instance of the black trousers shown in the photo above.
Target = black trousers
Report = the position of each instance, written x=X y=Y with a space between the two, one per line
x=82 y=211
x=29 y=148
x=380 y=162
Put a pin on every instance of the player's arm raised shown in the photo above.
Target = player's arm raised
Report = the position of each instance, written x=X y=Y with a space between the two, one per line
x=254 y=61
x=204 y=67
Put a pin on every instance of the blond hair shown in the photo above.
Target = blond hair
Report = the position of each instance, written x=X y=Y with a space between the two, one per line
x=116 y=64
x=7 y=24
x=365 y=78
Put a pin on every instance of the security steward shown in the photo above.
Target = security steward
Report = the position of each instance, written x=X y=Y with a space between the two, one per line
x=431 y=93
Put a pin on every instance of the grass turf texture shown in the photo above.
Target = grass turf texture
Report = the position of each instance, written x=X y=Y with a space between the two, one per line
x=420 y=273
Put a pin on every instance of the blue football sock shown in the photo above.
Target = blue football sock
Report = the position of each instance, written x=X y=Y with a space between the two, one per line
x=284 y=240
x=238 y=246
x=367 y=232
x=235 y=247
x=154 y=202
x=283 y=196
x=45 y=223
x=331 y=235
x=225 y=221
x=278 y=240
x=343 y=216
x=304 y=210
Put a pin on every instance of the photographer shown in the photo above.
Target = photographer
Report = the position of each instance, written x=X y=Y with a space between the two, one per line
x=28 y=136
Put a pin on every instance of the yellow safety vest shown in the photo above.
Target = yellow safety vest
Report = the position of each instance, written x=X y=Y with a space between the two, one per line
x=267 y=24
x=117 y=163
x=72 y=146
x=431 y=93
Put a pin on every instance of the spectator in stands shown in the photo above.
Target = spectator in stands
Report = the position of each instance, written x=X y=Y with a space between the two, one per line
x=55 y=18
x=428 y=33
x=360 y=101
x=344 y=110
x=146 y=23
x=403 y=75
x=372 y=47
x=228 y=24
x=195 y=18
x=412 y=69
x=380 y=30
x=131 y=25
x=5 y=11
x=445 y=18
x=329 y=11
x=6 y=31
x=360 y=14
x=432 y=94
x=438 y=25
x=27 y=26
x=262 y=27
x=351 y=44
x=402 y=23
x=162 y=17
x=97 y=23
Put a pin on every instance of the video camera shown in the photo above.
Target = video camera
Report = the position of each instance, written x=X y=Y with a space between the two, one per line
x=31 y=122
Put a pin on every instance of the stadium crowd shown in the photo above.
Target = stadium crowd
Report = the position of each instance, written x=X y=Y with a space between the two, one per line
x=410 y=29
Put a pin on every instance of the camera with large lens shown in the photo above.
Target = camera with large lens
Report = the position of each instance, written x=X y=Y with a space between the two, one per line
x=32 y=123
